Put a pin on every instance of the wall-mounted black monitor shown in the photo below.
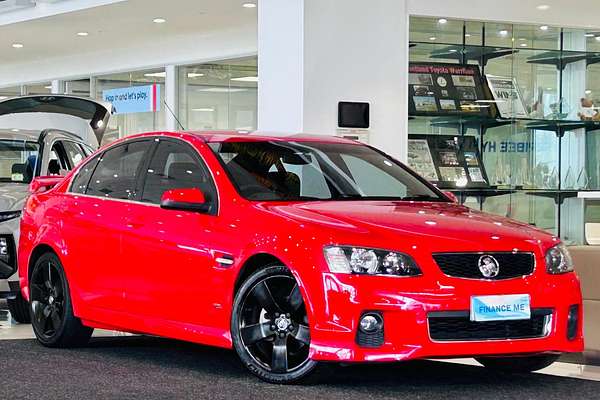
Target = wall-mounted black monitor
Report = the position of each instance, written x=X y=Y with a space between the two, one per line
x=353 y=115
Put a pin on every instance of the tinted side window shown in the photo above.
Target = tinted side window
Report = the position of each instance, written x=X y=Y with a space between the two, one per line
x=176 y=166
x=58 y=164
x=75 y=154
x=118 y=170
x=81 y=180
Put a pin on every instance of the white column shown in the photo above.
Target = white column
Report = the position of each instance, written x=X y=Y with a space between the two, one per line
x=171 y=105
x=58 y=87
x=315 y=53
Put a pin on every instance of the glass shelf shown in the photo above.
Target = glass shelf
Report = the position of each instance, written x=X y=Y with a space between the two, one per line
x=538 y=164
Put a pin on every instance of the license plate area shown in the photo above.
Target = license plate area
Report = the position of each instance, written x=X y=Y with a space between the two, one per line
x=500 y=307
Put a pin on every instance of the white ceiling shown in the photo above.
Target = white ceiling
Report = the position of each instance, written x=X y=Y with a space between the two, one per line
x=119 y=25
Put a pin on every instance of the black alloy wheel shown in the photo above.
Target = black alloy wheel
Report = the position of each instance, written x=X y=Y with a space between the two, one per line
x=51 y=311
x=270 y=327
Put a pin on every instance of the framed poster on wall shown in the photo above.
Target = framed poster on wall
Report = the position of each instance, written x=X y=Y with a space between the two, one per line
x=447 y=161
x=507 y=96
x=437 y=89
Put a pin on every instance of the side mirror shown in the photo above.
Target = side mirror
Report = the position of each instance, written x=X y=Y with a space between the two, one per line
x=44 y=183
x=185 y=200
x=451 y=196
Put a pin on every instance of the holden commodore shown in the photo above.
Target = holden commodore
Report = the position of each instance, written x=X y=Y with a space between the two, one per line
x=295 y=251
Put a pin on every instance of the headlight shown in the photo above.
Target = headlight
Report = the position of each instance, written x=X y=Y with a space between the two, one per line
x=558 y=260
x=8 y=215
x=366 y=261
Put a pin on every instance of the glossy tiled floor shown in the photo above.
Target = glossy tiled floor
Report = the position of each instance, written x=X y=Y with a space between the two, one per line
x=9 y=330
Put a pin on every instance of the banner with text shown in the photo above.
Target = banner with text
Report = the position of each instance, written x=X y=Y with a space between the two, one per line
x=134 y=99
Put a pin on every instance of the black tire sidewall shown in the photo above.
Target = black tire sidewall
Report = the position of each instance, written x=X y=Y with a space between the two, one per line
x=248 y=361
x=62 y=335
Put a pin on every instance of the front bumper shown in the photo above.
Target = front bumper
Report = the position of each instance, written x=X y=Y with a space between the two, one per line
x=406 y=304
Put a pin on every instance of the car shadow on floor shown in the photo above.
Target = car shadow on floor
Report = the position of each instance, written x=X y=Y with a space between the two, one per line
x=420 y=374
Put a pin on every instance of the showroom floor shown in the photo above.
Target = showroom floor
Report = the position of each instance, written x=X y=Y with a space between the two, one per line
x=123 y=366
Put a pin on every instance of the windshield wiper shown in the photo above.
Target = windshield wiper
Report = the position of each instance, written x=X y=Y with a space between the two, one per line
x=420 y=197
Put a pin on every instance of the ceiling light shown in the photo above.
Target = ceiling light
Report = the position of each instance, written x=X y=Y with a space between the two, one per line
x=159 y=20
x=543 y=7
x=503 y=32
x=82 y=34
x=203 y=109
x=246 y=79
x=194 y=75
x=249 y=5
x=222 y=90
x=549 y=88
x=48 y=87
x=156 y=74
x=523 y=45
x=442 y=20
x=589 y=35
x=14 y=130
x=17 y=45
x=467 y=35
x=432 y=38
x=544 y=27
x=588 y=91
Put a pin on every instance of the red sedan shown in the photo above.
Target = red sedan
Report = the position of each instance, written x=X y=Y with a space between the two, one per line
x=292 y=250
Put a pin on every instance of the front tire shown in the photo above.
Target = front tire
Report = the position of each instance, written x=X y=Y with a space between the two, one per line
x=19 y=309
x=269 y=327
x=518 y=364
x=51 y=308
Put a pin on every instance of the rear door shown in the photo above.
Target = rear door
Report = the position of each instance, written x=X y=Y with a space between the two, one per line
x=97 y=208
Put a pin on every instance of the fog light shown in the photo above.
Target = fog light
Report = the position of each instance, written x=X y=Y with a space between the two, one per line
x=573 y=322
x=371 y=323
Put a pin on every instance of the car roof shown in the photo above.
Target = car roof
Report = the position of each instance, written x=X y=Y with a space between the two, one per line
x=224 y=136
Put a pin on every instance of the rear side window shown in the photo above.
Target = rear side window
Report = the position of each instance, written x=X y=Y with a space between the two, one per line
x=117 y=171
x=81 y=180
x=176 y=166
x=75 y=154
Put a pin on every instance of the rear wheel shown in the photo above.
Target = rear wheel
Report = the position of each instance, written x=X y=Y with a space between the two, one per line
x=51 y=309
x=518 y=364
x=19 y=309
x=270 y=328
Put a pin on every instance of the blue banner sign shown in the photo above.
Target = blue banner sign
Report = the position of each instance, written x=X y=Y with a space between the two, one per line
x=495 y=308
x=134 y=99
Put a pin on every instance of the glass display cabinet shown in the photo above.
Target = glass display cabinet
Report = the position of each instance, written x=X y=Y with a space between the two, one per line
x=538 y=142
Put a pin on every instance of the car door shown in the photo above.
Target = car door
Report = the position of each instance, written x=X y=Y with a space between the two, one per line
x=95 y=218
x=167 y=253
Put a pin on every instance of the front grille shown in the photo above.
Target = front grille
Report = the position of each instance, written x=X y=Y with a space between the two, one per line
x=466 y=265
x=457 y=326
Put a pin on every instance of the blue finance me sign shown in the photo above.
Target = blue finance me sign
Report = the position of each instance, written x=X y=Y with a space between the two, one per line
x=495 y=308
x=134 y=99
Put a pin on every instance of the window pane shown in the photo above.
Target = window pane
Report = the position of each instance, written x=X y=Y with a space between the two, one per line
x=175 y=166
x=74 y=152
x=118 y=170
x=319 y=171
x=17 y=161
x=80 y=182
x=219 y=95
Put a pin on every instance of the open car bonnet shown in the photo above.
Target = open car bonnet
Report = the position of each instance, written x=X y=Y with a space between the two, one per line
x=93 y=112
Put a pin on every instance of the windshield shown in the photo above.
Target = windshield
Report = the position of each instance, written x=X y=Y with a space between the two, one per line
x=17 y=161
x=318 y=171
